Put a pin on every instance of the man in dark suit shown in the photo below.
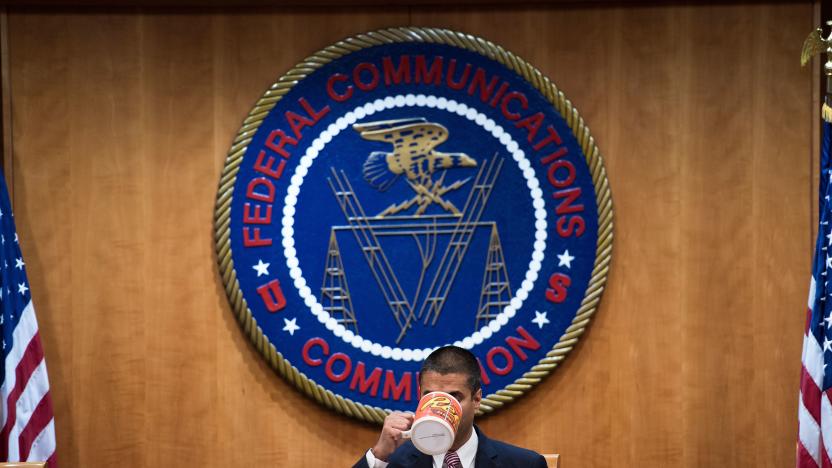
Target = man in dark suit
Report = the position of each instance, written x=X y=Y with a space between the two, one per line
x=455 y=371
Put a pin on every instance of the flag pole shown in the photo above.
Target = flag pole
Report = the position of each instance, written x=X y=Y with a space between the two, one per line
x=5 y=103
x=826 y=108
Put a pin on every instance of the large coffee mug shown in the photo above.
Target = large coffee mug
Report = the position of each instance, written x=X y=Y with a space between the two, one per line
x=435 y=423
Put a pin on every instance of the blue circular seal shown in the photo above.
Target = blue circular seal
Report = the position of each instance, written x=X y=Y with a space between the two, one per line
x=407 y=189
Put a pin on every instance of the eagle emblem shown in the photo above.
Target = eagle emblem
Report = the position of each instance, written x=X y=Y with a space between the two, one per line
x=415 y=156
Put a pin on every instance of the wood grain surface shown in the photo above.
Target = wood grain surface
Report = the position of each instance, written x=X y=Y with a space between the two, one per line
x=120 y=123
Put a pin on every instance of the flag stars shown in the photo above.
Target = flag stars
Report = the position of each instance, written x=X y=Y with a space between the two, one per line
x=827 y=344
x=15 y=238
x=18 y=263
x=828 y=320
x=565 y=259
x=21 y=288
x=261 y=268
x=291 y=326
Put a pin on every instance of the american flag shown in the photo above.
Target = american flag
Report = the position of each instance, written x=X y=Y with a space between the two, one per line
x=814 y=443
x=28 y=432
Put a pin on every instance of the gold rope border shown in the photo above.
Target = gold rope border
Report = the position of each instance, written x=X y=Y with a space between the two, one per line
x=603 y=251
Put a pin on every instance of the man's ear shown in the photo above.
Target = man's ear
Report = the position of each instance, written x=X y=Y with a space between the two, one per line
x=477 y=398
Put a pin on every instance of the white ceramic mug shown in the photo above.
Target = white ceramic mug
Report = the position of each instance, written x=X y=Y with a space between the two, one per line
x=435 y=423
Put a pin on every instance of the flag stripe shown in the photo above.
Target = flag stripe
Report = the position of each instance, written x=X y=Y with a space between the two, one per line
x=23 y=333
x=35 y=391
x=43 y=447
x=804 y=459
x=41 y=418
x=29 y=361
x=811 y=395
x=826 y=442
x=813 y=359
x=26 y=384
x=809 y=433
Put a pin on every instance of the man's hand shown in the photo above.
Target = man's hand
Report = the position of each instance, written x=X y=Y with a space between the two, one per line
x=391 y=434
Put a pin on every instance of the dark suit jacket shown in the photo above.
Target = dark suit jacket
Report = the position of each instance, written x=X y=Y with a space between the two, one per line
x=490 y=454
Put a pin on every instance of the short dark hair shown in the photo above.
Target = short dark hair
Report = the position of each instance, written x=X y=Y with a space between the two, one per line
x=454 y=360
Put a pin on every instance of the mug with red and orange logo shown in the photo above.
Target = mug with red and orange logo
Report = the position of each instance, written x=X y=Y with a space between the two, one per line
x=435 y=423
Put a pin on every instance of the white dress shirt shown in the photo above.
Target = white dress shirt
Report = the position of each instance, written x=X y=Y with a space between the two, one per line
x=467 y=453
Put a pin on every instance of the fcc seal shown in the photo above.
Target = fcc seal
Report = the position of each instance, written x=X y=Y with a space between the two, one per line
x=406 y=189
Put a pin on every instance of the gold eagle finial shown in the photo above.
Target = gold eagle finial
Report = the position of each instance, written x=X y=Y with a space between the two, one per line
x=815 y=44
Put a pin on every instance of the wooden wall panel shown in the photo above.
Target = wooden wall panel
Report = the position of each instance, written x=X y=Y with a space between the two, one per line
x=705 y=122
x=121 y=121
x=124 y=121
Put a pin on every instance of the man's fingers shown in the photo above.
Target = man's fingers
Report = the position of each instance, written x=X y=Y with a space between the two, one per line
x=400 y=418
x=402 y=425
x=395 y=423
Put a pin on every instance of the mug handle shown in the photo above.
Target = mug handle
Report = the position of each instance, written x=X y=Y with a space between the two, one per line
x=406 y=434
